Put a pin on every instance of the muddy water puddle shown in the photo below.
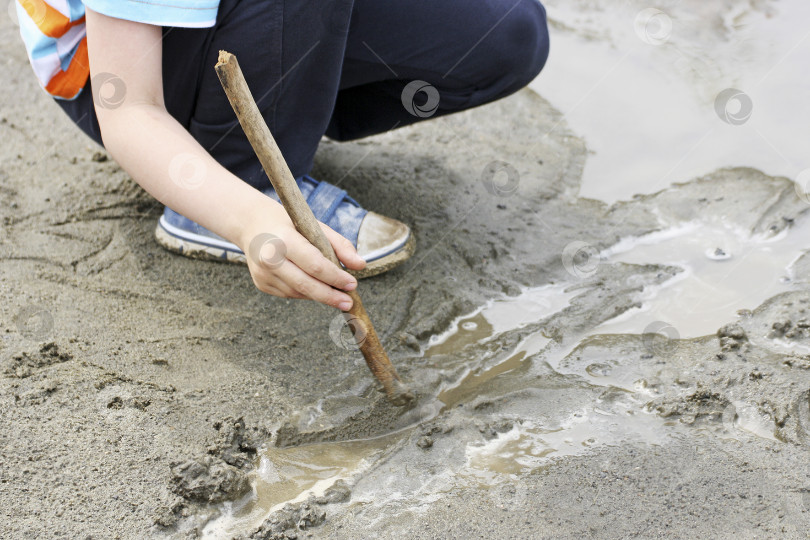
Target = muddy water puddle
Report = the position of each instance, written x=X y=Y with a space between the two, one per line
x=724 y=270
x=612 y=390
x=529 y=445
x=668 y=91
x=290 y=475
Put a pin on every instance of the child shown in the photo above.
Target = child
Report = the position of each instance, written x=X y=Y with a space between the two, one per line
x=138 y=77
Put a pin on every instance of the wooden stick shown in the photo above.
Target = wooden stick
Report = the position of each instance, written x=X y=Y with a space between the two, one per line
x=230 y=75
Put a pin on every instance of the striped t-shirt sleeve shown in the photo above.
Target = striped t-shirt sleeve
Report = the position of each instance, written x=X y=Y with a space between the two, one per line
x=55 y=37
x=184 y=13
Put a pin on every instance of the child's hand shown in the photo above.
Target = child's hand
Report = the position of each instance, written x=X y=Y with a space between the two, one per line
x=283 y=263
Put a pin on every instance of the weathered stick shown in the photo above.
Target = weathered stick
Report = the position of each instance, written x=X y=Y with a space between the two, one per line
x=230 y=75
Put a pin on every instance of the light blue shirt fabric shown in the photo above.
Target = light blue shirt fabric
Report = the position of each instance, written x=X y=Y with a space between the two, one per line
x=185 y=13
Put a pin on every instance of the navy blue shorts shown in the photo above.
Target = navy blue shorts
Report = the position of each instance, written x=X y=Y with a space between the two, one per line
x=341 y=68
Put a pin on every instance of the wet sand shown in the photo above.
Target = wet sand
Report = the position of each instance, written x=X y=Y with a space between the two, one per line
x=148 y=395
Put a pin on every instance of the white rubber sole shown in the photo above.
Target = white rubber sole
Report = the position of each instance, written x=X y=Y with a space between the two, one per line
x=202 y=247
x=196 y=246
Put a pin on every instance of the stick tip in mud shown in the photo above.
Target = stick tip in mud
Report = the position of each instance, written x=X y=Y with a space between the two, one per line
x=400 y=395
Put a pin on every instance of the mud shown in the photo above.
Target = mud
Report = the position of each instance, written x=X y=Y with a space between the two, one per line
x=148 y=395
x=289 y=522
x=208 y=480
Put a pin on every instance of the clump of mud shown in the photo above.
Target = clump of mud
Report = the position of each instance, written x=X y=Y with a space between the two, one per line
x=732 y=337
x=289 y=521
x=286 y=523
x=208 y=480
x=235 y=445
x=220 y=475
x=698 y=405
x=787 y=329
x=24 y=365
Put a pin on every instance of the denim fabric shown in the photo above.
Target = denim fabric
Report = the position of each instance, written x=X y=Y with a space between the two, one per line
x=331 y=205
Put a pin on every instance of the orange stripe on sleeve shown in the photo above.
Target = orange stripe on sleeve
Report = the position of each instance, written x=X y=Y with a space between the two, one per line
x=66 y=84
x=49 y=21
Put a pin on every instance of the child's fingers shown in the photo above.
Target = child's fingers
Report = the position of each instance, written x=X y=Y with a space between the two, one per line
x=291 y=267
x=309 y=259
x=282 y=291
x=303 y=284
x=286 y=280
x=344 y=249
x=267 y=282
x=289 y=281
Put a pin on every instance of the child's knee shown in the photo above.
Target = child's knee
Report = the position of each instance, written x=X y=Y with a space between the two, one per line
x=523 y=41
x=513 y=51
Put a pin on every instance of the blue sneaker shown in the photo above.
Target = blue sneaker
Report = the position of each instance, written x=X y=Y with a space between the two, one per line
x=381 y=241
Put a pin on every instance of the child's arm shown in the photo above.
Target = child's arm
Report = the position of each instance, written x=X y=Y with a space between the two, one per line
x=143 y=138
